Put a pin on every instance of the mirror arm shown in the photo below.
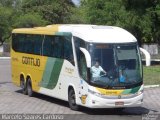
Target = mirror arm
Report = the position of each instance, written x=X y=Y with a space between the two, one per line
x=87 y=56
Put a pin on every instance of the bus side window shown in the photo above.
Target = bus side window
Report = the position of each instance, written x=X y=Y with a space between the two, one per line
x=38 y=44
x=68 y=51
x=82 y=66
x=15 y=42
x=58 y=47
x=47 y=46
x=53 y=46
x=21 y=40
x=29 y=43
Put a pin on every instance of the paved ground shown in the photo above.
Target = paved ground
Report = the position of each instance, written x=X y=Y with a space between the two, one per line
x=13 y=101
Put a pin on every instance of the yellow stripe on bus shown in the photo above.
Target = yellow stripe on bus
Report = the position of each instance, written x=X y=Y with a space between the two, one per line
x=109 y=92
x=50 y=30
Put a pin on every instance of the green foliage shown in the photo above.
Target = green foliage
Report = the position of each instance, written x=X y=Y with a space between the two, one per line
x=31 y=13
x=29 y=20
x=54 y=11
x=104 y=12
x=140 y=17
x=151 y=75
x=78 y=16
x=6 y=3
x=5 y=22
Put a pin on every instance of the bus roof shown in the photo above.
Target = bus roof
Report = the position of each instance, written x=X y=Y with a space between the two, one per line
x=89 y=33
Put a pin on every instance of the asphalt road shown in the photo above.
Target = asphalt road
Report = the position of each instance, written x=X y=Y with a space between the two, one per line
x=12 y=101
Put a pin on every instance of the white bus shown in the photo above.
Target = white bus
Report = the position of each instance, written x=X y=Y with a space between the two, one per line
x=86 y=65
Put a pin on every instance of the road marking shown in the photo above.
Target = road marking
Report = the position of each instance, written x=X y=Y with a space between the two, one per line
x=5 y=58
x=151 y=86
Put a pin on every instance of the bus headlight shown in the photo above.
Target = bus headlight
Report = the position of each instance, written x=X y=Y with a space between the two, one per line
x=140 y=92
x=95 y=93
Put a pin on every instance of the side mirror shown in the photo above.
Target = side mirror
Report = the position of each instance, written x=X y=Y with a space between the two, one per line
x=87 y=56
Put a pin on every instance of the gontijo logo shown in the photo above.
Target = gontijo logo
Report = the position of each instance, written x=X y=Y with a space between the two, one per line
x=31 y=61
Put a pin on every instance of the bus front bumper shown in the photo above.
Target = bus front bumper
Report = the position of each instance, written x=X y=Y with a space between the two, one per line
x=98 y=102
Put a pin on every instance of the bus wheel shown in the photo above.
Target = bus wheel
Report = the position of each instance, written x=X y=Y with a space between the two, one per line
x=23 y=86
x=29 y=88
x=72 y=100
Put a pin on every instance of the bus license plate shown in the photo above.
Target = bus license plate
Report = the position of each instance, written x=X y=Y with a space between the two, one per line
x=119 y=103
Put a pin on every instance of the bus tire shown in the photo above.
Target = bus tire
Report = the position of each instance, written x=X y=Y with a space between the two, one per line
x=23 y=85
x=29 y=88
x=72 y=100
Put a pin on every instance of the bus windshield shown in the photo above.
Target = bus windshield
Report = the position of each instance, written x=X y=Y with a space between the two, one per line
x=115 y=65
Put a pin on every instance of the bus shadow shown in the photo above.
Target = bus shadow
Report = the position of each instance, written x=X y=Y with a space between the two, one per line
x=48 y=99
x=89 y=111
x=115 y=111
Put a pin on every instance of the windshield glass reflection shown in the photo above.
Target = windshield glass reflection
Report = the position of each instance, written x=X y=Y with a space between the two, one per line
x=115 y=64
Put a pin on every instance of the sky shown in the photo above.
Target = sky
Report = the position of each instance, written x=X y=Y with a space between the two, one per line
x=76 y=2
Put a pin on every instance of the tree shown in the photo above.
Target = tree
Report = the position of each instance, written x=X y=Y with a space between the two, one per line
x=78 y=15
x=145 y=11
x=6 y=3
x=8 y=11
x=31 y=13
x=54 y=11
x=140 y=17
x=29 y=20
x=156 y=21
x=5 y=24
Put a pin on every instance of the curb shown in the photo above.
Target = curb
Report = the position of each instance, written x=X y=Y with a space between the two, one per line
x=151 y=86
x=5 y=58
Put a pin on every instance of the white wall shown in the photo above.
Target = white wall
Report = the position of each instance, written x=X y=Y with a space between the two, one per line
x=1 y=48
x=151 y=48
x=147 y=56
